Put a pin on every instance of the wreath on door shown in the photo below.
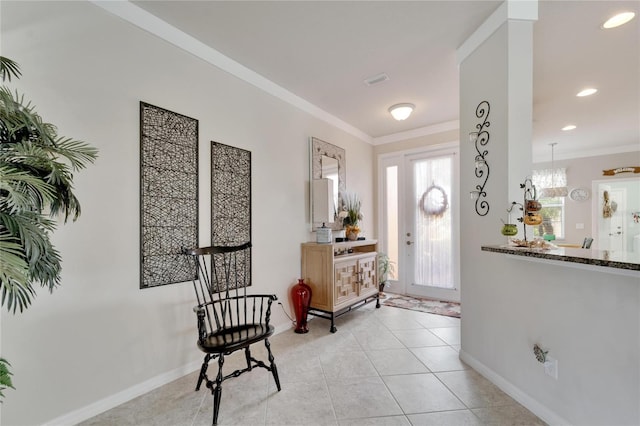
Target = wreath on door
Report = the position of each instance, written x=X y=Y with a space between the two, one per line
x=434 y=201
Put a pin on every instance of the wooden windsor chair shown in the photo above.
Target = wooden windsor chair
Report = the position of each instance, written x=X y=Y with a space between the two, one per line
x=228 y=318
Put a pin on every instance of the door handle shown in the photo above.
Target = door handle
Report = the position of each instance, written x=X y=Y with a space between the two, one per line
x=409 y=243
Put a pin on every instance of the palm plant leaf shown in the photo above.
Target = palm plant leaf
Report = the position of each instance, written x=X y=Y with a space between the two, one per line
x=21 y=190
x=14 y=274
x=21 y=121
x=43 y=162
x=78 y=153
x=8 y=68
x=12 y=262
x=5 y=376
x=32 y=230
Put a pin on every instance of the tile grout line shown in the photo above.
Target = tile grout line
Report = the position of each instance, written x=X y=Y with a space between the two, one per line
x=446 y=344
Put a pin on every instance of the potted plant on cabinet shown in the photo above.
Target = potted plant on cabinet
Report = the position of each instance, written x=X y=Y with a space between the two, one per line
x=385 y=267
x=36 y=186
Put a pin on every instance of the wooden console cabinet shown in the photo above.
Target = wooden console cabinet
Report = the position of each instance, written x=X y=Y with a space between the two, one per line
x=342 y=276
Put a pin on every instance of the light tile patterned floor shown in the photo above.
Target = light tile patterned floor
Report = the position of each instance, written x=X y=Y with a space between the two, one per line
x=386 y=366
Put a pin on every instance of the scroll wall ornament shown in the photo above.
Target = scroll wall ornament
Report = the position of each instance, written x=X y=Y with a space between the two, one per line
x=481 y=139
x=168 y=195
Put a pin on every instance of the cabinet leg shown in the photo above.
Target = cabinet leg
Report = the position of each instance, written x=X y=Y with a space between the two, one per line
x=378 y=301
x=333 y=328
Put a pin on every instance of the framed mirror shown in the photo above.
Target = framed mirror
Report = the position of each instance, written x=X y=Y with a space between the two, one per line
x=327 y=161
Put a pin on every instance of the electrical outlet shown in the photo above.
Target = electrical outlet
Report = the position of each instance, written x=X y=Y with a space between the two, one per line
x=551 y=367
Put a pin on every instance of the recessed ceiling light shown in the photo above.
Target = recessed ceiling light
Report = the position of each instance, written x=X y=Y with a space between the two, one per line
x=619 y=19
x=569 y=127
x=587 y=92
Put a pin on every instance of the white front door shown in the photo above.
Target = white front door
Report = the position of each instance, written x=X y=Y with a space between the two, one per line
x=419 y=222
x=430 y=231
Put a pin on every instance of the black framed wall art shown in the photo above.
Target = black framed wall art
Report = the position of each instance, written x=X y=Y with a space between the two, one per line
x=231 y=197
x=168 y=195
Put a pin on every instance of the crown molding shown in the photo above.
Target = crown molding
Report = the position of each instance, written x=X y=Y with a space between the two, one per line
x=583 y=153
x=416 y=133
x=156 y=26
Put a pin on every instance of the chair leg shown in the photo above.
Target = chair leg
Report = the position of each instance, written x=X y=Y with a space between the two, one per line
x=217 y=390
x=203 y=371
x=274 y=369
x=247 y=355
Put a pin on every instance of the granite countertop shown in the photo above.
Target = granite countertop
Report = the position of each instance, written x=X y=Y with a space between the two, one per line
x=612 y=259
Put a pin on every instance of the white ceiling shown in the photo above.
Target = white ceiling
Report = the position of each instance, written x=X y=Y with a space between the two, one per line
x=322 y=51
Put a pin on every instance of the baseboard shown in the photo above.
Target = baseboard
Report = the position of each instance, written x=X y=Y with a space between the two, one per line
x=135 y=391
x=112 y=401
x=514 y=392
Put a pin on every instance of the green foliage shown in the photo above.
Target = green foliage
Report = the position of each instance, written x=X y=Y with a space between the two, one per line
x=350 y=213
x=8 y=68
x=36 y=186
x=5 y=376
x=385 y=267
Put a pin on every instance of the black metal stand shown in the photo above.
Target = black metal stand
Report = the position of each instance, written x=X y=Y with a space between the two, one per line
x=333 y=315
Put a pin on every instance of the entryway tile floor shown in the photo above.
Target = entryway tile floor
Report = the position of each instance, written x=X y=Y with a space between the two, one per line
x=387 y=366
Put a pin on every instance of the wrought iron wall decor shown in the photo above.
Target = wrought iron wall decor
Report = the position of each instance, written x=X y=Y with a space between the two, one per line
x=231 y=200
x=481 y=139
x=529 y=206
x=168 y=195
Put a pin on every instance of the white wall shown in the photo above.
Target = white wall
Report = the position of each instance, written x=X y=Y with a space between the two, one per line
x=589 y=321
x=99 y=335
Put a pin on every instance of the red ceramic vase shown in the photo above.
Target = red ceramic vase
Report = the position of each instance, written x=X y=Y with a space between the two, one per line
x=301 y=297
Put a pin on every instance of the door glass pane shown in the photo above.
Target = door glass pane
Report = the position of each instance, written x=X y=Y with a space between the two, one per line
x=391 y=207
x=433 y=251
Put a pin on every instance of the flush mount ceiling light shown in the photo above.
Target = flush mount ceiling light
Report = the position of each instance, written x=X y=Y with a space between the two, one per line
x=401 y=111
x=619 y=19
x=569 y=127
x=586 y=92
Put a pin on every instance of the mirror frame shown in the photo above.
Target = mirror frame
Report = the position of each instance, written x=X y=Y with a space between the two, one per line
x=319 y=148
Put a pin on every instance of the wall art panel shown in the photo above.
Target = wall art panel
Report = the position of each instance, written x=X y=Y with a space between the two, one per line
x=168 y=195
x=231 y=198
